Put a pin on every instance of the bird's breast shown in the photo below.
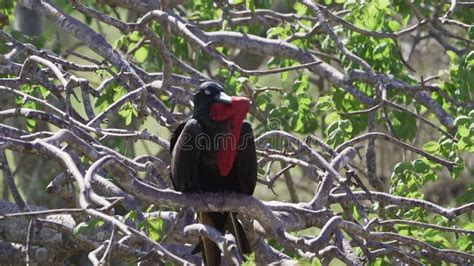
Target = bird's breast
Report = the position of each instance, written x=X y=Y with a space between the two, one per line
x=209 y=158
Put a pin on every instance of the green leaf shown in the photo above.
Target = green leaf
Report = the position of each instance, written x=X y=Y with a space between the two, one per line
x=463 y=120
x=431 y=147
x=404 y=125
x=325 y=103
x=465 y=243
x=412 y=185
x=437 y=240
x=453 y=56
x=471 y=114
x=262 y=101
x=276 y=31
x=316 y=262
x=132 y=215
x=249 y=260
x=111 y=94
x=81 y=228
x=43 y=91
x=394 y=25
x=456 y=171
x=155 y=228
x=332 y=127
x=30 y=123
x=119 y=93
x=284 y=76
x=304 y=102
x=430 y=176
x=420 y=166
x=402 y=167
x=37 y=41
x=122 y=41
x=89 y=225
x=141 y=54
x=150 y=208
x=299 y=122
x=88 y=19
x=346 y=125
x=127 y=114
x=331 y=117
x=253 y=79
x=250 y=5
x=338 y=132
x=463 y=131
x=242 y=79
x=16 y=35
x=3 y=48
x=300 y=8
x=100 y=223
x=134 y=36
x=469 y=226
x=382 y=261
x=301 y=85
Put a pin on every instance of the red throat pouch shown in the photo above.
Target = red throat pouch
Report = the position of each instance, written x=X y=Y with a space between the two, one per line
x=233 y=115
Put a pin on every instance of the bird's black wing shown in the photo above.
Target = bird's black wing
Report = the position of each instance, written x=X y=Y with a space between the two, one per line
x=245 y=164
x=185 y=156
x=175 y=136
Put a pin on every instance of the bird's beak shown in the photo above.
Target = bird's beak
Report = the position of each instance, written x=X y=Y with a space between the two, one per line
x=223 y=98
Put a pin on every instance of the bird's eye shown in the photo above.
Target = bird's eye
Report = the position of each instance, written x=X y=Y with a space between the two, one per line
x=207 y=92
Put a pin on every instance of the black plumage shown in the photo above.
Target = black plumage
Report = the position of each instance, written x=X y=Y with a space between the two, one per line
x=194 y=165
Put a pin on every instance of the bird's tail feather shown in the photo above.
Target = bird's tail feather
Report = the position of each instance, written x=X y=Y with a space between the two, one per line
x=235 y=228
x=222 y=221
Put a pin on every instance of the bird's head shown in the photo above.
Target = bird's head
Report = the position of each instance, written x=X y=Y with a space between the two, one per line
x=210 y=92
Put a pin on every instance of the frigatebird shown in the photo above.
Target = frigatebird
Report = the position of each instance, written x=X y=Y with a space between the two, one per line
x=214 y=151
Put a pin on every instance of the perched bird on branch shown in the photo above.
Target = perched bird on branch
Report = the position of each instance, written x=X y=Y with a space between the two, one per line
x=214 y=151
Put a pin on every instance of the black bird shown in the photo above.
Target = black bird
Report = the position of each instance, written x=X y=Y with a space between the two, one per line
x=214 y=151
